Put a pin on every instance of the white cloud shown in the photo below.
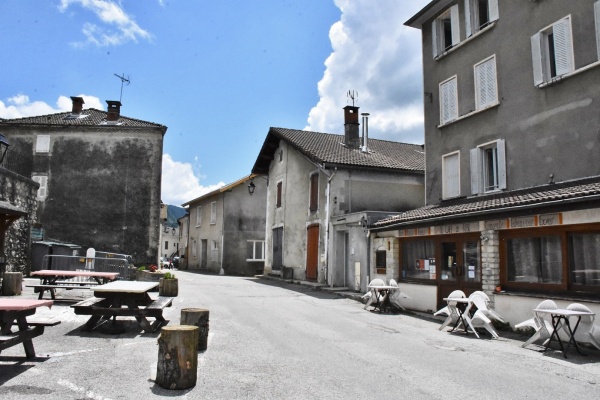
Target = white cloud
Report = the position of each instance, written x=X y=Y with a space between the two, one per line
x=20 y=106
x=117 y=27
x=378 y=57
x=180 y=184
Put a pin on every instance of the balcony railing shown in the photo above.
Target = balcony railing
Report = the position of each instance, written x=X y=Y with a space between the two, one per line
x=17 y=162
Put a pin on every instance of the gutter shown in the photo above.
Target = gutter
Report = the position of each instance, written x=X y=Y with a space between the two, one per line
x=328 y=190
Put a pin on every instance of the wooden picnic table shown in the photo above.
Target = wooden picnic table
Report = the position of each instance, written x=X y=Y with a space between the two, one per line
x=51 y=279
x=15 y=312
x=124 y=298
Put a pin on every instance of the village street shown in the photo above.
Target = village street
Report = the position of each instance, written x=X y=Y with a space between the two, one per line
x=272 y=340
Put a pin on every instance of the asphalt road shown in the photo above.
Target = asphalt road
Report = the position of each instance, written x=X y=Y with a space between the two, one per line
x=271 y=340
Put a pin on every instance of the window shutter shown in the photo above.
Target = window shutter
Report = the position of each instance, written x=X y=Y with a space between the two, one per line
x=468 y=18
x=314 y=192
x=563 y=46
x=278 y=199
x=485 y=74
x=455 y=25
x=476 y=171
x=597 y=18
x=451 y=184
x=493 y=10
x=43 y=189
x=449 y=110
x=501 y=154
x=536 y=56
x=434 y=38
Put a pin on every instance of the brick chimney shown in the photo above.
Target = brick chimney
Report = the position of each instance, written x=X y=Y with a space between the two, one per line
x=352 y=137
x=114 y=110
x=77 y=105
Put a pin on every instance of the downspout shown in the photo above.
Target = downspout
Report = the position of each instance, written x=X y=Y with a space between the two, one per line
x=328 y=275
x=222 y=271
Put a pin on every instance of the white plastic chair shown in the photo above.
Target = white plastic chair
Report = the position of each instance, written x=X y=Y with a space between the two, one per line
x=371 y=294
x=543 y=328
x=396 y=295
x=451 y=309
x=479 y=318
x=487 y=311
x=587 y=331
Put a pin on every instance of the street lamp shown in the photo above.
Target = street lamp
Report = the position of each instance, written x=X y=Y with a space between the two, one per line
x=251 y=187
x=3 y=147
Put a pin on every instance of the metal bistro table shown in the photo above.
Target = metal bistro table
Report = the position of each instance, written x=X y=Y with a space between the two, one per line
x=560 y=319
x=15 y=312
x=382 y=294
x=124 y=298
x=462 y=306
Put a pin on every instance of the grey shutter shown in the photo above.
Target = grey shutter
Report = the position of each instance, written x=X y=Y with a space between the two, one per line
x=476 y=171
x=501 y=154
x=454 y=21
x=493 y=10
x=468 y=31
x=597 y=18
x=536 y=56
x=434 y=38
x=563 y=46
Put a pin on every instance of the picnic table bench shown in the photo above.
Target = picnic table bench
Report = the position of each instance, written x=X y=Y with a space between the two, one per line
x=50 y=280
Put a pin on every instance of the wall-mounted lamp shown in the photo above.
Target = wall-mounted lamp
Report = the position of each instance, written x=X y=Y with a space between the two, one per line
x=251 y=187
x=484 y=238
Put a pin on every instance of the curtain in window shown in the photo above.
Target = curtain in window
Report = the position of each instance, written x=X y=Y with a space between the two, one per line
x=418 y=259
x=584 y=259
x=534 y=260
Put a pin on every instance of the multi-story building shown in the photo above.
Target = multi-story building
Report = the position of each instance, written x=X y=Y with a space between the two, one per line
x=512 y=173
x=99 y=177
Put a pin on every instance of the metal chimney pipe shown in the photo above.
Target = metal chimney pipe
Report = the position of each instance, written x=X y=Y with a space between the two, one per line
x=365 y=121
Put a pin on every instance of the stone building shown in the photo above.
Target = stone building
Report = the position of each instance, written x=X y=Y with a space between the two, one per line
x=99 y=176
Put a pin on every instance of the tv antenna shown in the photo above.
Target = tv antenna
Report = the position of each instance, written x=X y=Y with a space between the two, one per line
x=352 y=95
x=123 y=80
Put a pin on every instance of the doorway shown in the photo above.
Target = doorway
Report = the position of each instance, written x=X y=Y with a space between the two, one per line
x=277 y=249
x=312 y=252
x=460 y=266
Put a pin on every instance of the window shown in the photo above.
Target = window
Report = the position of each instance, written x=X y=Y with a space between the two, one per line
x=166 y=245
x=597 y=19
x=488 y=167
x=552 y=52
x=445 y=31
x=486 y=86
x=199 y=216
x=215 y=245
x=42 y=192
x=314 y=192
x=418 y=259
x=479 y=14
x=194 y=248
x=278 y=199
x=380 y=261
x=448 y=101
x=534 y=259
x=255 y=250
x=584 y=259
x=451 y=175
x=213 y=213
x=42 y=144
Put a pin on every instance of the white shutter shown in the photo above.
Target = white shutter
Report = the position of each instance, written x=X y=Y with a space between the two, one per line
x=448 y=100
x=476 y=171
x=563 y=46
x=485 y=84
x=493 y=10
x=468 y=18
x=454 y=21
x=451 y=184
x=536 y=56
x=501 y=154
x=597 y=18
x=42 y=180
x=434 y=38
x=42 y=144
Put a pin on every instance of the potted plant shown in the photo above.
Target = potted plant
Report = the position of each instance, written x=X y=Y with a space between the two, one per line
x=150 y=273
x=168 y=285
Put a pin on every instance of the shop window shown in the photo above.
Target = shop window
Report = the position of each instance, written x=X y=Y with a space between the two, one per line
x=534 y=260
x=380 y=261
x=418 y=259
x=552 y=51
x=584 y=259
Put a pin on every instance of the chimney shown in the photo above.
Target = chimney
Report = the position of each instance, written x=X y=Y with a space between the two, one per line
x=77 y=105
x=352 y=138
x=365 y=138
x=114 y=110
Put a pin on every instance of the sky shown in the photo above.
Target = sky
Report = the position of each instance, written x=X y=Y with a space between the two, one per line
x=218 y=74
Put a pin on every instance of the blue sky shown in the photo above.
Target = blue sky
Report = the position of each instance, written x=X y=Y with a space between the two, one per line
x=217 y=73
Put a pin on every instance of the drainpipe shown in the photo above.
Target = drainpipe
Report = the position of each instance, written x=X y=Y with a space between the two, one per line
x=328 y=275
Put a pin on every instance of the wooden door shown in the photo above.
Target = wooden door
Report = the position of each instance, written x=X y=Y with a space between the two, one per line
x=459 y=266
x=312 y=252
x=277 y=249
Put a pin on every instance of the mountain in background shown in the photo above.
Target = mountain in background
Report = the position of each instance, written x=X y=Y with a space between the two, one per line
x=173 y=214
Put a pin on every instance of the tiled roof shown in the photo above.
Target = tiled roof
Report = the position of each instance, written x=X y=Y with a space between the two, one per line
x=92 y=117
x=329 y=149
x=220 y=190
x=577 y=190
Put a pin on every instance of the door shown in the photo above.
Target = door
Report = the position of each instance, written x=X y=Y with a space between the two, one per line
x=459 y=266
x=339 y=272
x=312 y=252
x=277 y=249
x=203 y=253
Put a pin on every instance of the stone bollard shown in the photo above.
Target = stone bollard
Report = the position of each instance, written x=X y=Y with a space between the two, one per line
x=177 y=366
x=197 y=317
x=12 y=283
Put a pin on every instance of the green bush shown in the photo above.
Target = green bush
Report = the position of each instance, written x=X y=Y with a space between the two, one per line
x=169 y=275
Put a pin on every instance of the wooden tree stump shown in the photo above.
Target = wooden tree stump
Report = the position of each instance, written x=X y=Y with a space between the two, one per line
x=197 y=317
x=12 y=283
x=177 y=366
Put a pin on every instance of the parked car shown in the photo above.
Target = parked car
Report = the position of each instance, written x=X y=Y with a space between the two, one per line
x=165 y=263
